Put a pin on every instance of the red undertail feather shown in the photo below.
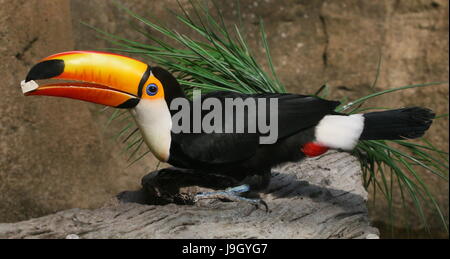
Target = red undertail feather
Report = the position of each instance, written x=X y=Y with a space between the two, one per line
x=312 y=149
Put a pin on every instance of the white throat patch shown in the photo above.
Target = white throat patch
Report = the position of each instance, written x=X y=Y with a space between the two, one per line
x=155 y=122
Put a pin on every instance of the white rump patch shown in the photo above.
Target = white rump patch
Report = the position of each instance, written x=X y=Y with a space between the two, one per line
x=340 y=132
x=28 y=86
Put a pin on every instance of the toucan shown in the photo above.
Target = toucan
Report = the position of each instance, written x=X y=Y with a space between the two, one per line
x=307 y=125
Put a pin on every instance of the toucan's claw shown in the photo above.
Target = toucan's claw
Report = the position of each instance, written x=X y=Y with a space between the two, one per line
x=232 y=194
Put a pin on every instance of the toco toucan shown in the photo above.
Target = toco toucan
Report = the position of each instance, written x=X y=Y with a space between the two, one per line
x=307 y=125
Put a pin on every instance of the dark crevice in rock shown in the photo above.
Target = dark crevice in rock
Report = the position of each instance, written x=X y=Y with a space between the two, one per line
x=327 y=41
x=27 y=47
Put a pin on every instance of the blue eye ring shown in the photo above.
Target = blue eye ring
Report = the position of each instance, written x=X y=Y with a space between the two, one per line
x=152 y=89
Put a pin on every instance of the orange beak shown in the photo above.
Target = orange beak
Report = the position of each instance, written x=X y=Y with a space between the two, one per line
x=103 y=78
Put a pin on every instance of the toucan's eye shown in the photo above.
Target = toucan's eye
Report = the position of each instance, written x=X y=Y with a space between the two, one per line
x=152 y=89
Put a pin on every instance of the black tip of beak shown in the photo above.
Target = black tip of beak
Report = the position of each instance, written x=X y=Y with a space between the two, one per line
x=46 y=69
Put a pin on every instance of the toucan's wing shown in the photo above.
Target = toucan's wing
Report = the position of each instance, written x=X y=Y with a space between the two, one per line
x=211 y=149
x=214 y=148
x=299 y=112
x=295 y=113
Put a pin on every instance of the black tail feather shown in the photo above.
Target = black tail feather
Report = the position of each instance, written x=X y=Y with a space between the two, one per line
x=403 y=123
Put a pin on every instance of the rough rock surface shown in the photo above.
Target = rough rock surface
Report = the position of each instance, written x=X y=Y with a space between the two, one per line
x=320 y=198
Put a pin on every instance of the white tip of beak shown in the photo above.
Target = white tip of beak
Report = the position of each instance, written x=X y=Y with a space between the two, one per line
x=28 y=86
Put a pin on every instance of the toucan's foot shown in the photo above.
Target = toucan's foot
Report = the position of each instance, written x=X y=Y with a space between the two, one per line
x=231 y=194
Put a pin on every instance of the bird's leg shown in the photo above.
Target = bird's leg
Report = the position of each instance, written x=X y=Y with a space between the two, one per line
x=251 y=182
x=167 y=185
x=231 y=194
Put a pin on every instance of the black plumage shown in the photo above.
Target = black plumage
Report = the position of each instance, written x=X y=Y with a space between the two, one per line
x=241 y=157
x=405 y=123
x=240 y=154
